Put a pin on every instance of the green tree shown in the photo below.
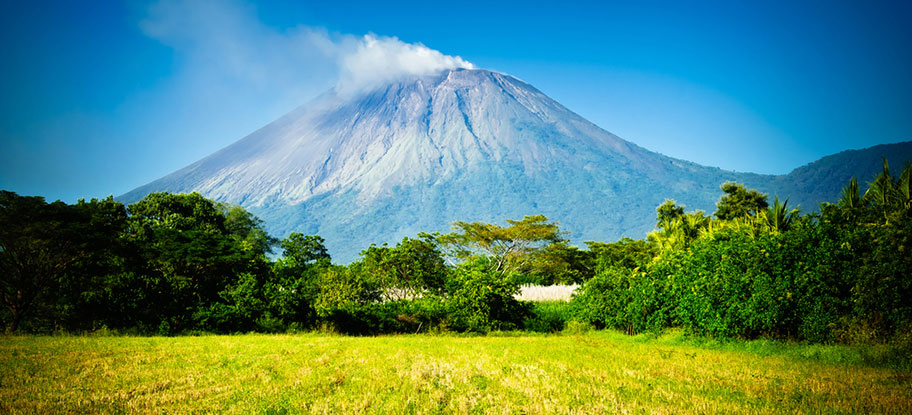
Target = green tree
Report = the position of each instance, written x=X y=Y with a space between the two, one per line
x=669 y=211
x=510 y=247
x=44 y=246
x=343 y=289
x=305 y=250
x=891 y=198
x=413 y=268
x=850 y=198
x=904 y=190
x=35 y=249
x=606 y=300
x=624 y=254
x=778 y=217
x=293 y=292
x=89 y=294
x=179 y=212
x=481 y=300
x=191 y=253
x=739 y=202
x=247 y=229
x=559 y=263
x=675 y=228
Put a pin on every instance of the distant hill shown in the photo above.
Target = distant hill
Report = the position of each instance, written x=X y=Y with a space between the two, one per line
x=470 y=145
x=824 y=179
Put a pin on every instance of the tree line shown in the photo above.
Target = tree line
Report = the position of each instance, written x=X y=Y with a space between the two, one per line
x=180 y=263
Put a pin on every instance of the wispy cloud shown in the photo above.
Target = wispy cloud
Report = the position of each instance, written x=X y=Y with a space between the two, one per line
x=224 y=43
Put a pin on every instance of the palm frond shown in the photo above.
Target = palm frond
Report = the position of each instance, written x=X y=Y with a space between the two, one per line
x=850 y=198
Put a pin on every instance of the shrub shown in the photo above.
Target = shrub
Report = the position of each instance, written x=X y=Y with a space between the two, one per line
x=731 y=285
x=344 y=289
x=481 y=300
x=605 y=300
x=405 y=316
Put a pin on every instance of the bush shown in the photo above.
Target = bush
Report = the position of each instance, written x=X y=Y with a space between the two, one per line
x=625 y=299
x=736 y=284
x=405 y=316
x=344 y=289
x=605 y=300
x=481 y=300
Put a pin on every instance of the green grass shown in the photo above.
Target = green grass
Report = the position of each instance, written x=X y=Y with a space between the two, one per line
x=591 y=372
x=548 y=316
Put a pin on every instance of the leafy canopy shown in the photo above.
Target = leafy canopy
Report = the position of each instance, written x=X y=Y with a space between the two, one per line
x=305 y=250
x=509 y=247
x=412 y=268
x=739 y=202
x=42 y=243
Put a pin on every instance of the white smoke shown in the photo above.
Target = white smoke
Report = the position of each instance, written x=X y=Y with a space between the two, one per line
x=224 y=43
x=380 y=60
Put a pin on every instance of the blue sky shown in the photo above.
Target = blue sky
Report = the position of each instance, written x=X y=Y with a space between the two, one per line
x=101 y=97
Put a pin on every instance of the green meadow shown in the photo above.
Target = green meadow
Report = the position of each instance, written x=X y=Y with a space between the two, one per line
x=586 y=372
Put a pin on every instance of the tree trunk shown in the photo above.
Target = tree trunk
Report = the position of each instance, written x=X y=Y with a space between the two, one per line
x=14 y=323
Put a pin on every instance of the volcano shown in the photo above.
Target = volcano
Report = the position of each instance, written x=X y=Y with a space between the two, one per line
x=467 y=144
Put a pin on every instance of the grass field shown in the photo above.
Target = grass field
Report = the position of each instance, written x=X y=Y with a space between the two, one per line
x=594 y=372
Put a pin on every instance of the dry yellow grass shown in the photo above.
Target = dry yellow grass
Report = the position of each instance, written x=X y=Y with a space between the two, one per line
x=591 y=373
x=546 y=292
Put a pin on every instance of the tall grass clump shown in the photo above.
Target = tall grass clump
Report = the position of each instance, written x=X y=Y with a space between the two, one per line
x=548 y=316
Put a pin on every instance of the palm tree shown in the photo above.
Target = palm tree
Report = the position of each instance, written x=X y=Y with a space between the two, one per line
x=678 y=231
x=882 y=192
x=779 y=218
x=903 y=188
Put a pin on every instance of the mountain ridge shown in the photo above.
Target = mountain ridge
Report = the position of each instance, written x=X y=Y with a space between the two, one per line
x=467 y=144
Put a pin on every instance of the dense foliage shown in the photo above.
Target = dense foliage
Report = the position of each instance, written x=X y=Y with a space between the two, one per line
x=843 y=274
x=178 y=263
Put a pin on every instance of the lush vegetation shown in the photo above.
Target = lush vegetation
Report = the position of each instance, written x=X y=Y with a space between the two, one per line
x=843 y=274
x=174 y=263
x=601 y=372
